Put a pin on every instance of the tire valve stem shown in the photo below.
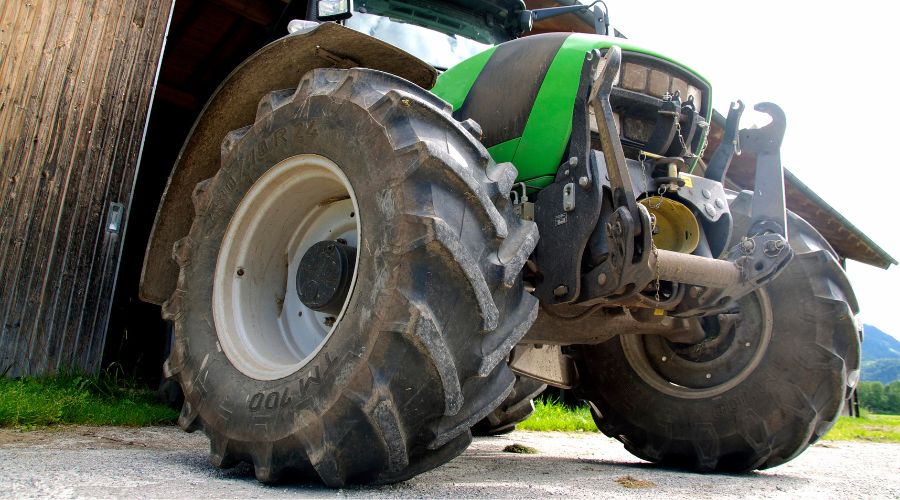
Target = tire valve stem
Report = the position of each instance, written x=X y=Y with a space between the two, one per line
x=329 y=321
x=240 y=271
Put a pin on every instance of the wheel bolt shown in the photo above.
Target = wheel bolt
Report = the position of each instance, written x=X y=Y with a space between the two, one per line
x=240 y=271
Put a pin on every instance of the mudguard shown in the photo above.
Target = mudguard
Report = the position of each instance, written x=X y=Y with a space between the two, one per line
x=278 y=65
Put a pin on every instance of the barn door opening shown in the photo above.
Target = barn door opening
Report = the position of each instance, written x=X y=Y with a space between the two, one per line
x=207 y=39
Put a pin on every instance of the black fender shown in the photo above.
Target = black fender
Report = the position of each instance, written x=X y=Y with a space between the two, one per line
x=278 y=65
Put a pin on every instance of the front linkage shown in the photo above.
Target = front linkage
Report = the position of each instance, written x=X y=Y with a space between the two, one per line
x=571 y=210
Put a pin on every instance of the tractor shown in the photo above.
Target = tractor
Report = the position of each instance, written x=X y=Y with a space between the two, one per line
x=393 y=226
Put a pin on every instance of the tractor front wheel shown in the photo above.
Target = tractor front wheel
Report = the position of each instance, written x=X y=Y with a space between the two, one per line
x=769 y=380
x=350 y=287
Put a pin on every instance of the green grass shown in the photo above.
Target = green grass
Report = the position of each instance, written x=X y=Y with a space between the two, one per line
x=550 y=415
x=869 y=427
x=75 y=399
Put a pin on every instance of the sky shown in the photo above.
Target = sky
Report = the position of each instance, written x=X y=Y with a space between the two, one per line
x=832 y=67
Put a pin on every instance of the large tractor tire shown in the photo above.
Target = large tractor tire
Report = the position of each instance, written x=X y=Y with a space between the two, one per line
x=350 y=287
x=514 y=409
x=752 y=397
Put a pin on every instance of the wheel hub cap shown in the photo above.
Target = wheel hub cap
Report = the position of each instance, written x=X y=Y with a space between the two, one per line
x=323 y=277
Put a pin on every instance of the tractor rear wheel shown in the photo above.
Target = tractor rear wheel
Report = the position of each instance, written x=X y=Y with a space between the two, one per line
x=350 y=287
x=770 y=382
x=515 y=408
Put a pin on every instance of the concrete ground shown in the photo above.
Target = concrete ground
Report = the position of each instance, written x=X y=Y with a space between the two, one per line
x=163 y=462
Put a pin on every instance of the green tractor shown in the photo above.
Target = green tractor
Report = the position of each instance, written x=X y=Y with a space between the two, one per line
x=374 y=254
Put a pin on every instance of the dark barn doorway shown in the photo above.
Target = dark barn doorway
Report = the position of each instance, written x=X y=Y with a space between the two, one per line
x=207 y=39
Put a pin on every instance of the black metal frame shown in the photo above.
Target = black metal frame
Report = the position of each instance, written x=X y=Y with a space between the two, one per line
x=568 y=212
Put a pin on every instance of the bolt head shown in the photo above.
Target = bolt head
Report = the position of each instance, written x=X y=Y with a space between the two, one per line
x=710 y=210
x=573 y=161
x=602 y=279
x=561 y=291
x=583 y=181
x=706 y=194
x=720 y=203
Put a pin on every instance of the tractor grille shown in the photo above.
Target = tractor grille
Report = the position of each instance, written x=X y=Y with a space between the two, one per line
x=643 y=83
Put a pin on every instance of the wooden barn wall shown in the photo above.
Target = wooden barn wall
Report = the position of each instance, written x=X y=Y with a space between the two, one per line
x=76 y=80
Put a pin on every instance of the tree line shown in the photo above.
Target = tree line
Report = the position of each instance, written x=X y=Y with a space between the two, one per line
x=880 y=398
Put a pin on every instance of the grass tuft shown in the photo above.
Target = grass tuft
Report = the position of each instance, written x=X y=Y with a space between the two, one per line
x=551 y=415
x=634 y=483
x=520 y=448
x=78 y=399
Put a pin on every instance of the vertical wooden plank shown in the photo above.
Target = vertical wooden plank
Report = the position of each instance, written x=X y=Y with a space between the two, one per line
x=75 y=84
x=89 y=206
x=27 y=98
x=75 y=81
x=121 y=184
x=48 y=344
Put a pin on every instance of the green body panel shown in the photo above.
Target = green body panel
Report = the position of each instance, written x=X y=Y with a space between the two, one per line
x=539 y=150
x=455 y=88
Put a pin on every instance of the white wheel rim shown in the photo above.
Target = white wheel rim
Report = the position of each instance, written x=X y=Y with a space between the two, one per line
x=264 y=329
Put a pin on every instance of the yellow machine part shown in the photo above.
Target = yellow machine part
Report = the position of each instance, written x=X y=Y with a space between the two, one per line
x=676 y=228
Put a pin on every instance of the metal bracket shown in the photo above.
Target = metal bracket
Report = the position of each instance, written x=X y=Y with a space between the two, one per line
x=114 y=217
x=621 y=274
x=721 y=160
x=665 y=129
x=760 y=259
x=568 y=210
x=546 y=363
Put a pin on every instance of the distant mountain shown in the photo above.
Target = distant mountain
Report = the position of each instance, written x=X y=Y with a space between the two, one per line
x=879 y=345
x=880 y=356
x=880 y=370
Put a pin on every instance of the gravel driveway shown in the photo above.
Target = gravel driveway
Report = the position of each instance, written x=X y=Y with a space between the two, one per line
x=165 y=462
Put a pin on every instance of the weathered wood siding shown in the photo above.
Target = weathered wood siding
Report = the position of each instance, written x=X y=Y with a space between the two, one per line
x=76 y=80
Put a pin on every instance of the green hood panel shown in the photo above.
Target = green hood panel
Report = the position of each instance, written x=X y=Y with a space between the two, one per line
x=522 y=93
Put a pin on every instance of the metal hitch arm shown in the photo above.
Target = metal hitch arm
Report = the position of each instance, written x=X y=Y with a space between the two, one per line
x=601 y=88
x=768 y=208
